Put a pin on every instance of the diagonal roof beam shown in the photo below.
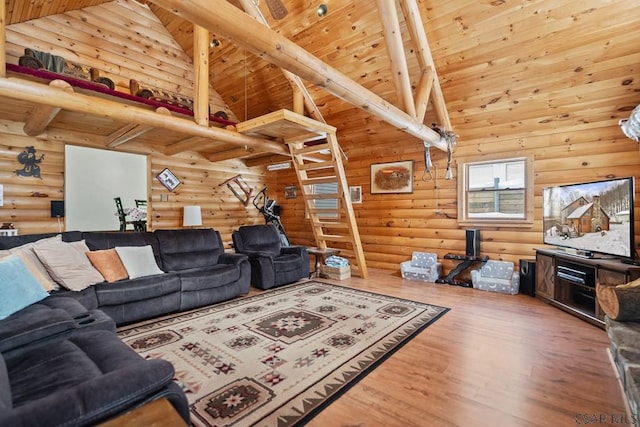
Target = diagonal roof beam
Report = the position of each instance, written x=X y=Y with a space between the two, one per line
x=425 y=59
x=395 y=50
x=221 y=17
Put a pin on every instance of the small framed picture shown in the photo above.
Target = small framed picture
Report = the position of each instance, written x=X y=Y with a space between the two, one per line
x=393 y=177
x=168 y=179
x=290 y=192
x=356 y=194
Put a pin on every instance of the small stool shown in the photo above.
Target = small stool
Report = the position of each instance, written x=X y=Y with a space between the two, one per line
x=320 y=255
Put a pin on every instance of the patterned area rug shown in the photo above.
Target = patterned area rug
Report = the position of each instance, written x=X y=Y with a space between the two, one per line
x=279 y=357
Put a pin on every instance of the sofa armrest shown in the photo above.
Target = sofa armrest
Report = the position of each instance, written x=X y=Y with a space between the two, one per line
x=33 y=325
x=234 y=259
x=257 y=254
x=95 y=400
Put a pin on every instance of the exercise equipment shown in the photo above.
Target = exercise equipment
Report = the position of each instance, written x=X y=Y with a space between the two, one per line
x=267 y=207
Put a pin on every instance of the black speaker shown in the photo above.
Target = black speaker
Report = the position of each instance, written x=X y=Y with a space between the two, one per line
x=473 y=242
x=277 y=210
x=528 y=277
x=57 y=209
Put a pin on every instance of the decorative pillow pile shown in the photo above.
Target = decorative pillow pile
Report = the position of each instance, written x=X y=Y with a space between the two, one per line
x=18 y=287
x=138 y=260
x=67 y=263
x=108 y=263
x=32 y=261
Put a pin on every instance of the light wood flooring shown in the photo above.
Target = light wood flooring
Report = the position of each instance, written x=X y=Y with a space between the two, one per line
x=492 y=360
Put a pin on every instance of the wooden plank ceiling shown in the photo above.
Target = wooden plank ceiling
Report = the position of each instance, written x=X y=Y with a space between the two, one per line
x=488 y=77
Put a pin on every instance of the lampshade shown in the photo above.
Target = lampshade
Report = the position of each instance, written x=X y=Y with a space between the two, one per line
x=192 y=216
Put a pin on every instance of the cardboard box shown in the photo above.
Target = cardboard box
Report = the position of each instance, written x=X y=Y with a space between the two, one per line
x=335 y=273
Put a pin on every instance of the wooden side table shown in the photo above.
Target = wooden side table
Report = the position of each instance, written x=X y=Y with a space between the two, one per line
x=320 y=255
x=158 y=413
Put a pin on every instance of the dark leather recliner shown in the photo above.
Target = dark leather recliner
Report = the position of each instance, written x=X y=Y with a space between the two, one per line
x=271 y=263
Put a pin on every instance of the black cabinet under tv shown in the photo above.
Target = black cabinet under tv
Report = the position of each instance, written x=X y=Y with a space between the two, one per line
x=568 y=281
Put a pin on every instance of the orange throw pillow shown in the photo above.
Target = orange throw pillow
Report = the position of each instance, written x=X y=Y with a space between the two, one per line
x=108 y=263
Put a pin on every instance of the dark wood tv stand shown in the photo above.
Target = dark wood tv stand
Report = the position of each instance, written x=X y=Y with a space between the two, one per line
x=568 y=281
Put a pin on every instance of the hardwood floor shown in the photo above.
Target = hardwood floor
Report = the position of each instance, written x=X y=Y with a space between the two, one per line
x=492 y=360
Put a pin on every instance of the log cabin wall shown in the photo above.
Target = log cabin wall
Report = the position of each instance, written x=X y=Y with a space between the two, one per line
x=125 y=41
x=547 y=80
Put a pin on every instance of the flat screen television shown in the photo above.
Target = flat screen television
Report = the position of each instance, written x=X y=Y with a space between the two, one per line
x=591 y=218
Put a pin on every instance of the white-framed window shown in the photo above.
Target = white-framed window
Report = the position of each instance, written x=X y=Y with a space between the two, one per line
x=496 y=192
x=330 y=204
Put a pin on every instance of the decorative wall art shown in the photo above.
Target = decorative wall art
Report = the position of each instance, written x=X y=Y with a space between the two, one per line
x=30 y=162
x=393 y=177
x=168 y=179
x=290 y=192
x=356 y=194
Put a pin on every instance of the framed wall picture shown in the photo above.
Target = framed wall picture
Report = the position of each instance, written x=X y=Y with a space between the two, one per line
x=168 y=179
x=356 y=194
x=393 y=177
x=290 y=192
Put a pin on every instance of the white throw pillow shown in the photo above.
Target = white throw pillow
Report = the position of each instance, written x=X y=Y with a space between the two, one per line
x=67 y=263
x=138 y=260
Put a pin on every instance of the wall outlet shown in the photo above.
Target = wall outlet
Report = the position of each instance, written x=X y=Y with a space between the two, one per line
x=164 y=197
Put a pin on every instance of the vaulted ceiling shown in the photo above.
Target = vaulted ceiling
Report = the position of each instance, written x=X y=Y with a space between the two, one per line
x=501 y=64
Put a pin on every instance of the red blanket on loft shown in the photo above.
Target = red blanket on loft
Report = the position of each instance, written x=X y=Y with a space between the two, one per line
x=97 y=87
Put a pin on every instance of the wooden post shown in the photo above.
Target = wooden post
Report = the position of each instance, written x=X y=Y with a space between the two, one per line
x=425 y=59
x=201 y=75
x=3 y=38
x=229 y=21
x=395 y=50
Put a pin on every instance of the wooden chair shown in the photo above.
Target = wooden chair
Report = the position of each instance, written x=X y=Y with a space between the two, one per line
x=122 y=216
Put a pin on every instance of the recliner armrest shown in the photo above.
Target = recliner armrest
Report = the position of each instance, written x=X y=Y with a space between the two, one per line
x=234 y=259
x=257 y=254
x=298 y=250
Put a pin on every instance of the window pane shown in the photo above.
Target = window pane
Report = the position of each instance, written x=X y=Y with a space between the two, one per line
x=496 y=190
x=332 y=204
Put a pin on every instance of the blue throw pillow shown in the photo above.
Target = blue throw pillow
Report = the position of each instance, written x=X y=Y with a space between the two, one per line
x=18 y=287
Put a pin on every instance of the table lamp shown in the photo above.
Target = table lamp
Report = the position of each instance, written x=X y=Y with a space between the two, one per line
x=192 y=216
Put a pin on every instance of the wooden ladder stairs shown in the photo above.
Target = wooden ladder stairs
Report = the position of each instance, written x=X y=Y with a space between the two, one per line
x=334 y=228
x=317 y=158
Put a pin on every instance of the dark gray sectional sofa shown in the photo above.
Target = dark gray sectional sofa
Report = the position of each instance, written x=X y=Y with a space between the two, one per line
x=61 y=362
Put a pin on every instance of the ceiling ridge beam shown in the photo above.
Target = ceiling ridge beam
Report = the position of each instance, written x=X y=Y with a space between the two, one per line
x=223 y=18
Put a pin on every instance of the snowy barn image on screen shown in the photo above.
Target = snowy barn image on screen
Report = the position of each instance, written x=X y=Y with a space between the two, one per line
x=594 y=217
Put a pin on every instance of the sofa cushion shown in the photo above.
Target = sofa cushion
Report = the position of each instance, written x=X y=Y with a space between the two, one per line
x=187 y=249
x=109 y=264
x=104 y=240
x=18 y=287
x=207 y=278
x=138 y=289
x=68 y=265
x=497 y=269
x=259 y=238
x=138 y=261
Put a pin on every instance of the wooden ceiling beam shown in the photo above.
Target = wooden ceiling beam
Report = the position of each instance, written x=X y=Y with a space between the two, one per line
x=422 y=93
x=201 y=75
x=38 y=93
x=223 y=18
x=425 y=59
x=184 y=145
x=43 y=115
x=234 y=153
x=395 y=50
x=131 y=131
